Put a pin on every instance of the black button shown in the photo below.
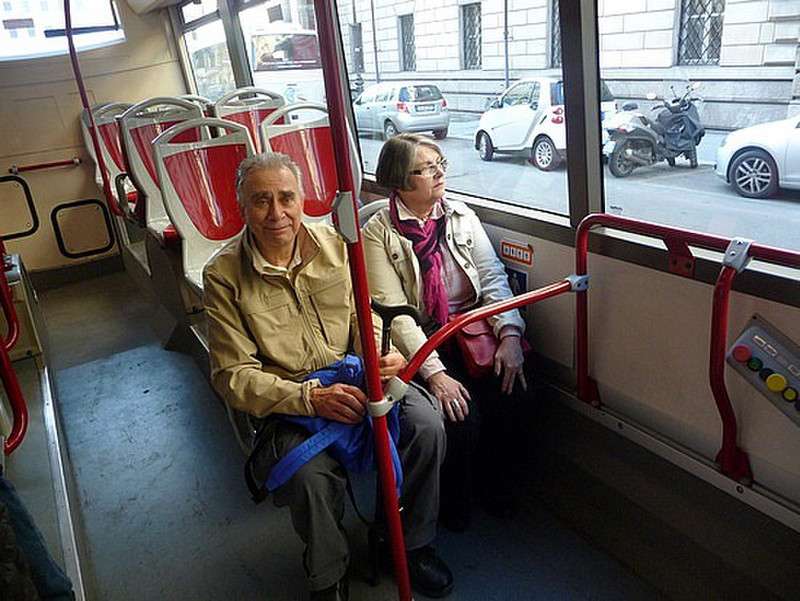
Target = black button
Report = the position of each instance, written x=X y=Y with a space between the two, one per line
x=394 y=256
x=765 y=373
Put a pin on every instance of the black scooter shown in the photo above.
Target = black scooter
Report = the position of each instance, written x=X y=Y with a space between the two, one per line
x=672 y=129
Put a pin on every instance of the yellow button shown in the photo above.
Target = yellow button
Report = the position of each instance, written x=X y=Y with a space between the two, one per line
x=776 y=382
x=790 y=394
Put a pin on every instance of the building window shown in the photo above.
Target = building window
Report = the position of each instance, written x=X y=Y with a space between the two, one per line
x=555 y=36
x=408 y=54
x=701 y=32
x=471 y=36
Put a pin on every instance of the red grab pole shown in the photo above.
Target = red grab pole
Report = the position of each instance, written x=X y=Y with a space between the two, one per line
x=19 y=409
x=732 y=460
x=340 y=137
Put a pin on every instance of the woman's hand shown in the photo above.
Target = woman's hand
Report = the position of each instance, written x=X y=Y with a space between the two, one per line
x=451 y=394
x=390 y=365
x=508 y=361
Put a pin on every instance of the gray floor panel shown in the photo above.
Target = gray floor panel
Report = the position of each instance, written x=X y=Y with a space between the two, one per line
x=165 y=509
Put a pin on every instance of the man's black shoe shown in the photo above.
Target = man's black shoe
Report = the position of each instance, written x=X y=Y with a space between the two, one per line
x=429 y=575
x=337 y=592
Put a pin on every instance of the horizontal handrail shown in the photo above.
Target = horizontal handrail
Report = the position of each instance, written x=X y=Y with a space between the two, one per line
x=73 y=162
x=450 y=328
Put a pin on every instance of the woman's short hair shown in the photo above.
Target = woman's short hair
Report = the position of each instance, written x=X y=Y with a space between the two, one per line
x=397 y=159
x=266 y=160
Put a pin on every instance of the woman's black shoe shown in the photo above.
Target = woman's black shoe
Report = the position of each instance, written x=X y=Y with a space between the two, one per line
x=429 y=575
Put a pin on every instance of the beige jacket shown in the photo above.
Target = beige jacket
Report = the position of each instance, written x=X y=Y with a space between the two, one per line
x=268 y=332
x=395 y=277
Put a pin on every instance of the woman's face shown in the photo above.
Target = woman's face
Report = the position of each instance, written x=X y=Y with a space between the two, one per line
x=426 y=179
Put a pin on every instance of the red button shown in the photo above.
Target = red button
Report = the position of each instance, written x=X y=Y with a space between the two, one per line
x=742 y=353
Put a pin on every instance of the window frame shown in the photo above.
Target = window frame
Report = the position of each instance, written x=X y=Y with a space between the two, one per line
x=578 y=22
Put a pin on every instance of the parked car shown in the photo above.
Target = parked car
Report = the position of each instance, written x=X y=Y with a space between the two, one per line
x=529 y=117
x=758 y=160
x=389 y=108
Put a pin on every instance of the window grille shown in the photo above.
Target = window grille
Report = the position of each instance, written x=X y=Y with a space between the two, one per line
x=408 y=54
x=701 y=32
x=471 y=36
x=555 y=36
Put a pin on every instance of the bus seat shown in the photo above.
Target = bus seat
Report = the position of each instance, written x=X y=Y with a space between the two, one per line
x=105 y=119
x=369 y=209
x=198 y=183
x=139 y=126
x=248 y=106
x=308 y=143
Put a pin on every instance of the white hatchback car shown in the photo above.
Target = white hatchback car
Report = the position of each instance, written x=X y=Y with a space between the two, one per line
x=529 y=117
x=758 y=160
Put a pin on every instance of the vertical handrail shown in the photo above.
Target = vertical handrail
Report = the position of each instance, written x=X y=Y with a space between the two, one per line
x=76 y=70
x=19 y=409
x=340 y=137
x=732 y=460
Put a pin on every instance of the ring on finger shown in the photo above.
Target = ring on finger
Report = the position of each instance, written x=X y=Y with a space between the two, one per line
x=454 y=404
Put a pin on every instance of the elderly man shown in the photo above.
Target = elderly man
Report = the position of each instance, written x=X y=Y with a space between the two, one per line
x=279 y=306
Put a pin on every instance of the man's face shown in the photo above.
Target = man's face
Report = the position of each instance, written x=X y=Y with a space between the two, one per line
x=273 y=210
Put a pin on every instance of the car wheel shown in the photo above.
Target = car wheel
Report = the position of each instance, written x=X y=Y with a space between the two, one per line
x=753 y=174
x=618 y=163
x=389 y=130
x=440 y=134
x=544 y=154
x=485 y=147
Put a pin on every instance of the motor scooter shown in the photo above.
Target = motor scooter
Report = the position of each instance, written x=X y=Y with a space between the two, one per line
x=672 y=129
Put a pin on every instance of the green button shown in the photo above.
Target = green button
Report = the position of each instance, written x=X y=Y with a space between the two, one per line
x=755 y=364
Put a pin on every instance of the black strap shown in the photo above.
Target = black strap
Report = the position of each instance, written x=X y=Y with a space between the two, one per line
x=257 y=492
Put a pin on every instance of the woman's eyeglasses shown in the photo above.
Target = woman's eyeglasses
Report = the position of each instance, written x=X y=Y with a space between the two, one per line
x=432 y=170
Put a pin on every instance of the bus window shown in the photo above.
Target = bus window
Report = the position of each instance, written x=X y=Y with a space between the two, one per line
x=283 y=52
x=211 y=63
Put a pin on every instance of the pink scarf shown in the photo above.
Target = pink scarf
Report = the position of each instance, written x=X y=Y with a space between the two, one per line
x=425 y=242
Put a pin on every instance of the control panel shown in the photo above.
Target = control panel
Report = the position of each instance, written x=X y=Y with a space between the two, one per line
x=771 y=363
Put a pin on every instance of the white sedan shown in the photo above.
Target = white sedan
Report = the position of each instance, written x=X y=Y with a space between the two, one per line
x=758 y=160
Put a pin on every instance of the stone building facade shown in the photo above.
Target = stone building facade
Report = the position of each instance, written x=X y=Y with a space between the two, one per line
x=744 y=52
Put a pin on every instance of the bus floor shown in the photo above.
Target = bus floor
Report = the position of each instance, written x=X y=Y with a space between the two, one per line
x=162 y=509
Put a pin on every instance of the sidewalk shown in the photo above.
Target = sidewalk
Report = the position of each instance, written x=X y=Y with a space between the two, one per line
x=462 y=127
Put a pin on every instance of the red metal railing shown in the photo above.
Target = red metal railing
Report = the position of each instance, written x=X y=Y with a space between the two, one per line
x=9 y=378
x=732 y=460
x=339 y=134
x=73 y=162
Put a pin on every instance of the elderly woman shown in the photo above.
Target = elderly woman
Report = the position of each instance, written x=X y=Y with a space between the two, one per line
x=434 y=254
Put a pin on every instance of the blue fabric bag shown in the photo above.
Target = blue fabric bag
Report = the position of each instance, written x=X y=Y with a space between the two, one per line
x=353 y=445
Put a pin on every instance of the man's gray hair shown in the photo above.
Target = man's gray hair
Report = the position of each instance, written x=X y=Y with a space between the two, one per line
x=397 y=158
x=266 y=160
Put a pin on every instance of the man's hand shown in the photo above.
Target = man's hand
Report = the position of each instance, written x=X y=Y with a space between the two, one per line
x=340 y=402
x=390 y=365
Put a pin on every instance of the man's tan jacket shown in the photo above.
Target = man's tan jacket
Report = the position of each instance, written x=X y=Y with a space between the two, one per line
x=268 y=332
